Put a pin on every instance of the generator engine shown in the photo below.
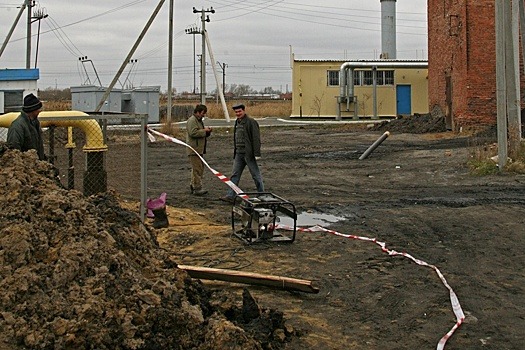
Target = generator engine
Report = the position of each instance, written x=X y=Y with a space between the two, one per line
x=254 y=217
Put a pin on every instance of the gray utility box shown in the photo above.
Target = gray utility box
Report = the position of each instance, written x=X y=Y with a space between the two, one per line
x=142 y=100
x=86 y=98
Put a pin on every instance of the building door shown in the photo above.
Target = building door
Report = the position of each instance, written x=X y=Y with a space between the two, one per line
x=404 y=98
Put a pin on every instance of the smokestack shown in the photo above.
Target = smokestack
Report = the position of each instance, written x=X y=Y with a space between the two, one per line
x=388 y=29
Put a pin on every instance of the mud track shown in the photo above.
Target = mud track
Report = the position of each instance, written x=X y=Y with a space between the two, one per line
x=414 y=193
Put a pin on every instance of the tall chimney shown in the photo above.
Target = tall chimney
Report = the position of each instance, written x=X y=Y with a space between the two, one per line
x=388 y=29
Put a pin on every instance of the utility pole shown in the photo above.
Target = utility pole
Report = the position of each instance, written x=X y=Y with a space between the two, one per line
x=204 y=18
x=22 y=8
x=170 y=63
x=223 y=67
x=29 y=5
x=199 y=58
x=128 y=57
x=38 y=15
x=193 y=30
x=507 y=81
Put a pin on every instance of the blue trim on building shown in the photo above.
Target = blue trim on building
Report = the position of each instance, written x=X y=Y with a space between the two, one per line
x=19 y=74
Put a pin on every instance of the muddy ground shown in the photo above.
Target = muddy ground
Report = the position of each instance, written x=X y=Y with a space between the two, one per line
x=414 y=192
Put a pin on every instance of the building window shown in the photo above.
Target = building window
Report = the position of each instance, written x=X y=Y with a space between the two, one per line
x=389 y=77
x=366 y=77
x=380 y=77
x=357 y=77
x=13 y=100
x=333 y=78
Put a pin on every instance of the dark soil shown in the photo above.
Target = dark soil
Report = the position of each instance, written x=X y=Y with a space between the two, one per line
x=414 y=192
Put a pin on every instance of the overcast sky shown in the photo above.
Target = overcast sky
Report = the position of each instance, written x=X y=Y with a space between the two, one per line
x=253 y=38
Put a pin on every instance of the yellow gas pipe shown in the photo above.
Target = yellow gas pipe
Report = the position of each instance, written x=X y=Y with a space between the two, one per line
x=94 y=140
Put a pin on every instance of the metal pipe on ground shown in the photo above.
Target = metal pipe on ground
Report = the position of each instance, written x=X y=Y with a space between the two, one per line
x=374 y=145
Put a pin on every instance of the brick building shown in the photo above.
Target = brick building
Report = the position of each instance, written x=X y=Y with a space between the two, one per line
x=462 y=61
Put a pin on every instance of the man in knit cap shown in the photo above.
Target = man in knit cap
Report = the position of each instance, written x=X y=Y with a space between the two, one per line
x=25 y=132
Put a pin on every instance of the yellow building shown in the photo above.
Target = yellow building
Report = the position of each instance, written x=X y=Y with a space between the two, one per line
x=322 y=88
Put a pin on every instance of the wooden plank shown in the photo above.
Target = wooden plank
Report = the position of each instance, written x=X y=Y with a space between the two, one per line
x=279 y=282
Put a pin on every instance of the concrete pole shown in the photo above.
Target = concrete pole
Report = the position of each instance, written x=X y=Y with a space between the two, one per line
x=12 y=29
x=203 y=58
x=128 y=57
x=513 y=76
x=522 y=26
x=28 y=38
x=225 y=109
x=170 y=62
x=374 y=93
x=501 y=92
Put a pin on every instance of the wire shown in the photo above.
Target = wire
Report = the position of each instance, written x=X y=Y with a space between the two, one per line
x=60 y=34
x=122 y=7
x=308 y=14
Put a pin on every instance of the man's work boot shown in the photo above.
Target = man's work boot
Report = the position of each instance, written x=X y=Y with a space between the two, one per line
x=199 y=192
x=161 y=218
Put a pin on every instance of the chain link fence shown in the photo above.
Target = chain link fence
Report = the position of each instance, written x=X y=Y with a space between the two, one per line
x=97 y=153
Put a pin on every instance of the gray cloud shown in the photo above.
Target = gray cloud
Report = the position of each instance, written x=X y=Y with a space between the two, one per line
x=252 y=37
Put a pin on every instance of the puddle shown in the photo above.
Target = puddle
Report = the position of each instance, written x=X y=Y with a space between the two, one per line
x=311 y=219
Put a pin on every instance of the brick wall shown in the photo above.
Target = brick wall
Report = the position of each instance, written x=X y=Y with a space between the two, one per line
x=461 y=42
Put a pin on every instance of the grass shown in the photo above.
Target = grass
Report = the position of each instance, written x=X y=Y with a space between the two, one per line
x=483 y=160
x=257 y=109
x=254 y=108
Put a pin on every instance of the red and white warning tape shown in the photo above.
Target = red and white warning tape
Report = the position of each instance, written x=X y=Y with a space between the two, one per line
x=220 y=176
x=456 y=307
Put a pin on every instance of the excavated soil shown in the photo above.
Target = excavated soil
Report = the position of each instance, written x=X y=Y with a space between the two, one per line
x=85 y=273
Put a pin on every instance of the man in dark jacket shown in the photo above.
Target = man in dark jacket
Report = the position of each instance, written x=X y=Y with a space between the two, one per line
x=196 y=134
x=24 y=132
x=247 y=150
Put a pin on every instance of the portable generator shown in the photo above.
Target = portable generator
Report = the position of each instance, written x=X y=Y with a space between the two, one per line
x=255 y=215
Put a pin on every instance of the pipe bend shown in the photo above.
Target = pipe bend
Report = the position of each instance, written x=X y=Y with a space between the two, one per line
x=90 y=127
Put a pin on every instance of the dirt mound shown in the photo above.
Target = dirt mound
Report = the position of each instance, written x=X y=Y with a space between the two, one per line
x=414 y=124
x=84 y=273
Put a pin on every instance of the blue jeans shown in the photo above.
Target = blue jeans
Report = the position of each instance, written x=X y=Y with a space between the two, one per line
x=239 y=163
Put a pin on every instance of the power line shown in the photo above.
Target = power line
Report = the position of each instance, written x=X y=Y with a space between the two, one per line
x=254 y=7
x=122 y=7
x=66 y=42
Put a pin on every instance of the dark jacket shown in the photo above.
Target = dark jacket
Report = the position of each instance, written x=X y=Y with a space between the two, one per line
x=252 y=139
x=25 y=134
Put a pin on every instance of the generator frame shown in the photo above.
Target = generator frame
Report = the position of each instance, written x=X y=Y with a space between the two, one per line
x=261 y=209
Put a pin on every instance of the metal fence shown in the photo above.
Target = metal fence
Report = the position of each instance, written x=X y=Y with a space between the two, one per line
x=96 y=153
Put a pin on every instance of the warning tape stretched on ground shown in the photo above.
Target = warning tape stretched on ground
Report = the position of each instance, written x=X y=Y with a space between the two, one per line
x=221 y=177
x=456 y=307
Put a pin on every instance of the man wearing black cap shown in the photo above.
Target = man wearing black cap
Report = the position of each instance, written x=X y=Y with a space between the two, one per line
x=247 y=149
x=24 y=132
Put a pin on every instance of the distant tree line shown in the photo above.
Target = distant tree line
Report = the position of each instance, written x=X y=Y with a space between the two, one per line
x=52 y=94
x=231 y=91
